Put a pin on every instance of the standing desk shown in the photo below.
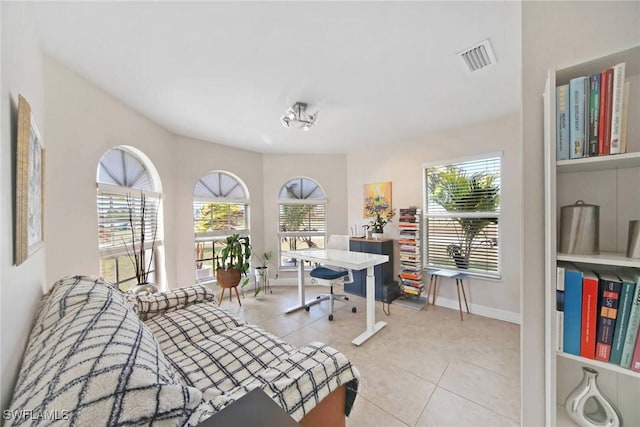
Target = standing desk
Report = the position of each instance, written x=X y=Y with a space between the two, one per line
x=348 y=260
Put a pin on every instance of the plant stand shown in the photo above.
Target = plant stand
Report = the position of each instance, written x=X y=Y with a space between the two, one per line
x=223 y=287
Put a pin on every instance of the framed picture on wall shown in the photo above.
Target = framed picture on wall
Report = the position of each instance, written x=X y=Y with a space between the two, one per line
x=377 y=198
x=29 y=206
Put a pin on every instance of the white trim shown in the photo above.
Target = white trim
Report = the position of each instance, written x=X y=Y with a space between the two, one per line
x=473 y=158
x=116 y=189
x=482 y=310
x=302 y=201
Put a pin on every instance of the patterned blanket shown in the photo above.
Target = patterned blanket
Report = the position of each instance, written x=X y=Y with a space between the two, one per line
x=90 y=360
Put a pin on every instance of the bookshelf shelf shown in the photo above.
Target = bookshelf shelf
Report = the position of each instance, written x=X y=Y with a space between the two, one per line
x=617 y=161
x=599 y=365
x=608 y=181
x=604 y=258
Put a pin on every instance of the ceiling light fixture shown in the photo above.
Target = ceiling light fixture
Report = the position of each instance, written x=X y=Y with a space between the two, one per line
x=297 y=116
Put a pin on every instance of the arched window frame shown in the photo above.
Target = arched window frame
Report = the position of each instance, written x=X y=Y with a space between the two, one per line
x=308 y=200
x=210 y=242
x=136 y=177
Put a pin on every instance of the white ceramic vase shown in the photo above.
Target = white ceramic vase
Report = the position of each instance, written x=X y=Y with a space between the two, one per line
x=604 y=415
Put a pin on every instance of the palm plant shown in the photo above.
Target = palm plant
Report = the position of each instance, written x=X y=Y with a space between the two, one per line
x=457 y=191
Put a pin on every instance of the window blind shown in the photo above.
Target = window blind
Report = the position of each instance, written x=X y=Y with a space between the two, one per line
x=216 y=219
x=301 y=219
x=462 y=212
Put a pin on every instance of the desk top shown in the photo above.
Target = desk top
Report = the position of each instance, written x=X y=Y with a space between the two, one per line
x=446 y=273
x=339 y=258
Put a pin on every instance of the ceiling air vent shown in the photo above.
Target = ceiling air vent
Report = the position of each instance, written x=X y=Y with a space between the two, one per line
x=479 y=56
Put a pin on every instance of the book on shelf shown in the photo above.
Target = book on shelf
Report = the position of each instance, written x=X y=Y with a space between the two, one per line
x=634 y=325
x=408 y=225
x=559 y=306
x=576 y=117
x=624 y=310
x=616 y=107
x=625 y=117
x=604 y=94
x=609 y=293
x=585 y=112
x=589 y=314
x=607 y=113
x=572 y=309
x=562 y=113
x=410 y=276
x=412 y=290
x=635 y=363
x=594 y=114
x=410 y=211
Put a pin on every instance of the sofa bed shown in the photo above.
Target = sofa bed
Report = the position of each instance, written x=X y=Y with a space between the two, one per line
x=96 y=356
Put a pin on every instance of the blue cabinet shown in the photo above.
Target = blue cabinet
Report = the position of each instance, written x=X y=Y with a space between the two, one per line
x=383 y=272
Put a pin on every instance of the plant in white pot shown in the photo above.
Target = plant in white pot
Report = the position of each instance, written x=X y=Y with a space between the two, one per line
x=379 y=221
x=262 y=271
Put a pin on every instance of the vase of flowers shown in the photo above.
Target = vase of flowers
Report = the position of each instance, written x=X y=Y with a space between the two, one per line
x=380 y=219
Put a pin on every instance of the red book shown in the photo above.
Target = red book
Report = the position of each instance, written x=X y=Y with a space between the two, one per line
x=635 y=362
x=608 y=112
x=589 y=315
x=604 y=92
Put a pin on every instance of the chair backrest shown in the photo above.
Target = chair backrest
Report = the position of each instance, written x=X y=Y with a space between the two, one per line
x=338 y=241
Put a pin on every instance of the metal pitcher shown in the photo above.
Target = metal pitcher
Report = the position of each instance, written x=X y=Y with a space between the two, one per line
x=580 y=229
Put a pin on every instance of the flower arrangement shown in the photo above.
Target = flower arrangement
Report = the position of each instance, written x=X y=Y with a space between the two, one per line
x=380 y=219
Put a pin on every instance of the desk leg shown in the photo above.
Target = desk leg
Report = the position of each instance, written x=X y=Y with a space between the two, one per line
x=372 y=326
x=300 y=289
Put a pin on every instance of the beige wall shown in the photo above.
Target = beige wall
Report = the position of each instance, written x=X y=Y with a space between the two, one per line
x=554 y=34
x=22 y=286
x=402 y=165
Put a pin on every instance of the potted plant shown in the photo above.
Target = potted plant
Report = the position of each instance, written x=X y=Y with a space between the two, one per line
x=233 y=262
x=261 y=270
x=138 y=219
x=380 y=219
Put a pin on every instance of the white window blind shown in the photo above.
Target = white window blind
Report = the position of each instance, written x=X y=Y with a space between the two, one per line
x=301 y=217
x=216 y=219
x=462 y=212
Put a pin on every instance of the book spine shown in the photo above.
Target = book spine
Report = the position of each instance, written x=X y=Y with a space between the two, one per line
x=616 y=107
x=594 y=114
x=562 y=127
x=626 y=298
x=589 y=317
x=576 y=113
x=625 y=118
x=585 y=112
x=609 y=300
x=635 y=363
x=604 y=90
x=632 y=328
x=607 y=115
x=559 y=307
x=572 y=311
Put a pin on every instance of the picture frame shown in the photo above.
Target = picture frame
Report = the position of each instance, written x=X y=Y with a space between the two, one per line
x=377 y=198
x=30 y=171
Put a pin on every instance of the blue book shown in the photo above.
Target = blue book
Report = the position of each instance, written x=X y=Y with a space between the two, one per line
x=624 y=311
x=577 y=141
x=562 y=124
x=572 y=310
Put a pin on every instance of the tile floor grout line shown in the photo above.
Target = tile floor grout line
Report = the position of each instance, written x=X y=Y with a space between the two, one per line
x=476 y=403
x=383 y=410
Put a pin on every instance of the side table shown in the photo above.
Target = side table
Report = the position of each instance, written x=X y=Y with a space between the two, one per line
x=253 y=409
x=435 y=275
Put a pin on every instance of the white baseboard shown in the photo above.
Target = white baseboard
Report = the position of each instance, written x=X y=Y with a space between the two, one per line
x=481 y=310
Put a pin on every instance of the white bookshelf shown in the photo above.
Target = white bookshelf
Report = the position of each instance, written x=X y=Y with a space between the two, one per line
x=613 y=183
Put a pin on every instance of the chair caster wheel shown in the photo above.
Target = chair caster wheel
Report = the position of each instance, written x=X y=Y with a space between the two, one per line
x=317 y=297
x=353 y=309
x=346 y=298
x=330 y=317
x=307 y=308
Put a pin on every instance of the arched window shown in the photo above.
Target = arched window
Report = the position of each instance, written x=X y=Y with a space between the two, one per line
x=220 y=208
x=129 y=207
x=301 y=218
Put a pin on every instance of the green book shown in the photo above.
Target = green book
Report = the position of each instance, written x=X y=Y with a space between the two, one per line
x=634 y=324
x=624 y=312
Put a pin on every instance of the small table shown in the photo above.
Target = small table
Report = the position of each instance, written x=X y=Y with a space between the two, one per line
x=349 y=260
x=253 y=409
x=433 y=281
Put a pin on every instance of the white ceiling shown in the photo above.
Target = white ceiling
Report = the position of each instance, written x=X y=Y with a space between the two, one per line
x=378 y=72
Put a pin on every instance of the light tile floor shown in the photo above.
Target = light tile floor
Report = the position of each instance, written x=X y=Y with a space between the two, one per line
x=426 y=368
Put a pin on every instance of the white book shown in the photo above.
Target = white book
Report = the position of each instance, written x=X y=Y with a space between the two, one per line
x=559 y=329
x=616 y=107
x=560 y=278
x=625 y=118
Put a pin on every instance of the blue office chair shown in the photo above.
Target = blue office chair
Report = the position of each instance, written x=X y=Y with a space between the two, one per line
x=326 y=276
